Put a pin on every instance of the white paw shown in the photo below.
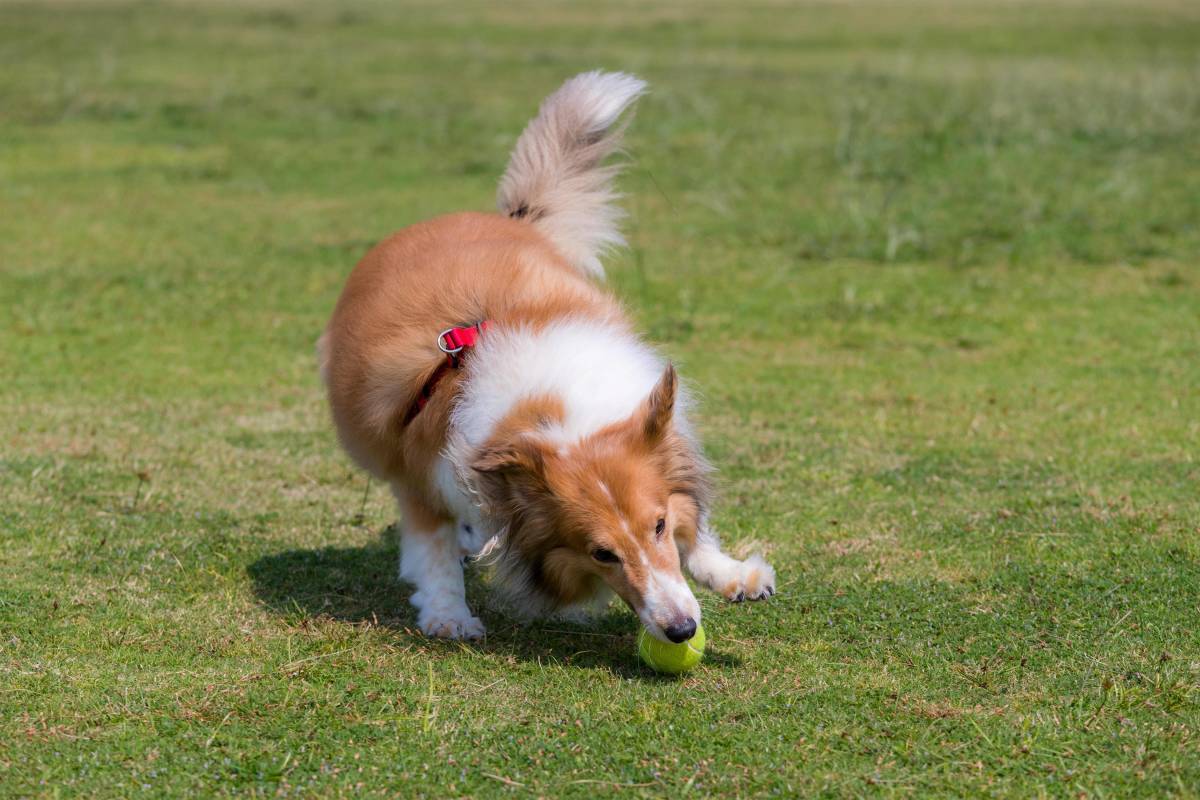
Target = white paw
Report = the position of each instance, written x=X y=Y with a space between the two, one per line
x=444 y=624
x=752 y=579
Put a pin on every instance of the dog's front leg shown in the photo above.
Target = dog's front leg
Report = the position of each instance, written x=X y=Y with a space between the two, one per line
x=431 y=560
x=752 y=579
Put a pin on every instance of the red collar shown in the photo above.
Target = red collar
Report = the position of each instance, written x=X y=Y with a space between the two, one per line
x=454 y=342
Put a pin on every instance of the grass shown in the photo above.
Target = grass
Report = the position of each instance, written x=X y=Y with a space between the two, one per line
x=931 y=265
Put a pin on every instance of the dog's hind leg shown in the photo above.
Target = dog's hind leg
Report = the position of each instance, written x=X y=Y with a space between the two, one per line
x=752 y=579
x=431 y=560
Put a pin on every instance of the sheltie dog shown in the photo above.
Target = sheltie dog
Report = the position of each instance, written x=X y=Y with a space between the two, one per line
x=475 y=365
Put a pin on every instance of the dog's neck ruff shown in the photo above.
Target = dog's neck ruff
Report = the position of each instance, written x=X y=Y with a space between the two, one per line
x=454 y=342
x=600 y=372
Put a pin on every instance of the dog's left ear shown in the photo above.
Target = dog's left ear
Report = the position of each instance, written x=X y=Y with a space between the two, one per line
x=660 y=407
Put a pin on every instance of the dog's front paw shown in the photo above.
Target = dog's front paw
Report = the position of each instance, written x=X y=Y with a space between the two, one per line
x=752 y=579
x=450 y=625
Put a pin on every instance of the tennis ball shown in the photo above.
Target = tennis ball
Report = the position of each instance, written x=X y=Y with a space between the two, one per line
x=673 y=658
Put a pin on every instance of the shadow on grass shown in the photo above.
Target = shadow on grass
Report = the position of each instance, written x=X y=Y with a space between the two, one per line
x=359 y=585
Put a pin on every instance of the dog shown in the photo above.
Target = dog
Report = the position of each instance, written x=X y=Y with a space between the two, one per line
x=476 y=365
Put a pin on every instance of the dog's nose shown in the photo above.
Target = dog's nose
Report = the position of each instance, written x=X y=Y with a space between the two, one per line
x=681 y=631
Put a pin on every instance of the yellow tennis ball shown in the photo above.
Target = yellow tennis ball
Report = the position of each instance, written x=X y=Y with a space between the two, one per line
x=673 y=658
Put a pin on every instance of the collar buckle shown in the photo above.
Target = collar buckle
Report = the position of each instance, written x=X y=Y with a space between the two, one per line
x=456 y=345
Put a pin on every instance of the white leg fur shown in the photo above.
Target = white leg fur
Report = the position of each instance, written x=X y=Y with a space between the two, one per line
x=752 y=579
x=432 y=562
x=471 y=539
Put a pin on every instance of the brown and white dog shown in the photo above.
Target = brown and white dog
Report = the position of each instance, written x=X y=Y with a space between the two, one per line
x=559 y=439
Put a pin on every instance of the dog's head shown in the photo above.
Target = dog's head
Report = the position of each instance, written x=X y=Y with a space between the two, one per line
x=612 y=508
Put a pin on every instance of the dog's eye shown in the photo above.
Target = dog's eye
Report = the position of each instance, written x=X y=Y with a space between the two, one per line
x=659 y=527
x=605 y=556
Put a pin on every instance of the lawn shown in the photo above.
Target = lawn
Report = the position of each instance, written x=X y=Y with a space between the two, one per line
x=931 y=266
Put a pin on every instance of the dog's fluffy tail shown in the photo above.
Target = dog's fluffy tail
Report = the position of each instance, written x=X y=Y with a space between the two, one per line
x=556 y=179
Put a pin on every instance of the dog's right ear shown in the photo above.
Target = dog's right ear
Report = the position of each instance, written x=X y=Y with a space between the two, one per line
x=518 y=454
x=509 y=471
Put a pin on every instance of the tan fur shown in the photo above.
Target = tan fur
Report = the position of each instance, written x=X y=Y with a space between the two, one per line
x=571 y=516
x=380 y=346
x=606 y=492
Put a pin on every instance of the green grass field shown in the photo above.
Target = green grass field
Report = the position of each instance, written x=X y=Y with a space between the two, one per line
x=932 y=267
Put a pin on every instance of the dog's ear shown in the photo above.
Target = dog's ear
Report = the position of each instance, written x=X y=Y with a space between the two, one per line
x=520 y=453
x=507 y=473
x=660 y=407
x=679 y=458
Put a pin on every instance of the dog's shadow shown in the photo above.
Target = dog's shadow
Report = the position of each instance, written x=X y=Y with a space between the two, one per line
x=359 y=585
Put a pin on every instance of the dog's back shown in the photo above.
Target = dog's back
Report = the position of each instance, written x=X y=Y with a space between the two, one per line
x=528 y=264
